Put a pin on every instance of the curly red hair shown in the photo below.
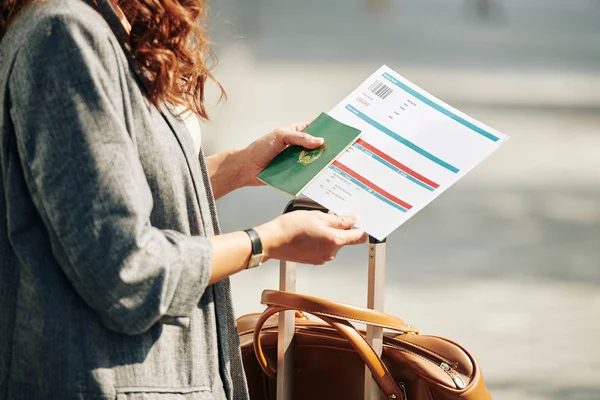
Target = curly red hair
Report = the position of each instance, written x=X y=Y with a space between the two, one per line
x=169 y=40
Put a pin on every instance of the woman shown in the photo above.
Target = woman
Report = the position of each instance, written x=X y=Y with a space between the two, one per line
x=113 y=272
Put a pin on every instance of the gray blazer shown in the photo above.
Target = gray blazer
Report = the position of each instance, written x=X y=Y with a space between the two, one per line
x=104 y=216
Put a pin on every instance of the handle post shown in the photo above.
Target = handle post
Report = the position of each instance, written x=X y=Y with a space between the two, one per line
x=375 y=301
x=287 y=319
x=285 y=337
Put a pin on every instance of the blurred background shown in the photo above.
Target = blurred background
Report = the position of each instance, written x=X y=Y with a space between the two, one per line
x=506 y=262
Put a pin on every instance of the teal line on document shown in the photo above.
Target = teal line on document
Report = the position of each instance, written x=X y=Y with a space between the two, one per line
x=393 y=167
x=439 y=108
x=400 y=139
x=366 y=188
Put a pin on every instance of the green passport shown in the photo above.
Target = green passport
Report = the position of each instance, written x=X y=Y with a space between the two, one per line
x=296 y=167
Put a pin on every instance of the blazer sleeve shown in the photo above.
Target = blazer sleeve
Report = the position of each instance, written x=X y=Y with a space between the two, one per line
x=86 y=179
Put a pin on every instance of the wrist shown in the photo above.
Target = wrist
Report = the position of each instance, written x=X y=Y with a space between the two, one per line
x=238 y=159
x=270 y=235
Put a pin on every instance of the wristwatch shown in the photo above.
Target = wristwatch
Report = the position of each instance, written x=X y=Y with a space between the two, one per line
x=257 y=250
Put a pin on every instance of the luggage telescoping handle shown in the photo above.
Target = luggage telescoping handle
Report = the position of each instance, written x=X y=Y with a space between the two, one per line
x=285 y=334
x=375 y=301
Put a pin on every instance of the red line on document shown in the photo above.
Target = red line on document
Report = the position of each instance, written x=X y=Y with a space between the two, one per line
x=370 y=184
x=403 y=167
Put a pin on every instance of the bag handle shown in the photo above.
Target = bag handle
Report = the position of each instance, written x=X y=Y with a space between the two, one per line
x=380 y=372
x=319 y=307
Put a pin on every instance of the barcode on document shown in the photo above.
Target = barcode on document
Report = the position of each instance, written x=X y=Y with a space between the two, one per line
x=380 y=89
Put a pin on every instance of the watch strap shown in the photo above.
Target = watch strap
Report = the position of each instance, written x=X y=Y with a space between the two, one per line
x=256 y=243
x=257 y=249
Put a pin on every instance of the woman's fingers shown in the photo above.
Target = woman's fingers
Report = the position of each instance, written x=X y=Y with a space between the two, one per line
x=358 y=239
x=343 y=224
x=339 y=222
x=290 y=137
x=352 y=236
x=311 y=237
x=345 y=234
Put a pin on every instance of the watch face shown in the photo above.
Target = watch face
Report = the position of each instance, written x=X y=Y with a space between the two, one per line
x=255 y=260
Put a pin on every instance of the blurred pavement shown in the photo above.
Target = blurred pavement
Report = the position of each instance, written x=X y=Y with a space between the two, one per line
x=506 y=262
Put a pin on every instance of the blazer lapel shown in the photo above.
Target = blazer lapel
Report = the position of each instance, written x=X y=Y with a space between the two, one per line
x=177 y=126
x=187 y=146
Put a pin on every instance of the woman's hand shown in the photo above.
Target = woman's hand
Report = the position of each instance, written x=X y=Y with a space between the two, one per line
x=234 y=169
x=261 y=152
x=308 y=237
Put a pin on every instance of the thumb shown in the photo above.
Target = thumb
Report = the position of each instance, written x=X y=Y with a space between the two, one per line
x=353 y=236
x=289 y=137
x=341 y=222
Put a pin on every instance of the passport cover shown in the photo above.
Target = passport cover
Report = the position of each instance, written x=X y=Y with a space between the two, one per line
x=295 y=167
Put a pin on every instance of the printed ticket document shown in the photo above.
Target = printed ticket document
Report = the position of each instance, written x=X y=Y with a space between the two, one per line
x=411 y=147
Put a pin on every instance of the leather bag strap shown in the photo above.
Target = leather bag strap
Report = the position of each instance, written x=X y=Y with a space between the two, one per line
x=322 y=307
x=380 y=372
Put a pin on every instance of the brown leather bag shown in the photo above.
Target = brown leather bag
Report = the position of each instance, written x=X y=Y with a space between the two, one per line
x=330 y=356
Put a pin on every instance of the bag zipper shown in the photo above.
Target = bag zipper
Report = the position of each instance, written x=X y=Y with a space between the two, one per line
x=444 y=364
x=456 y=378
